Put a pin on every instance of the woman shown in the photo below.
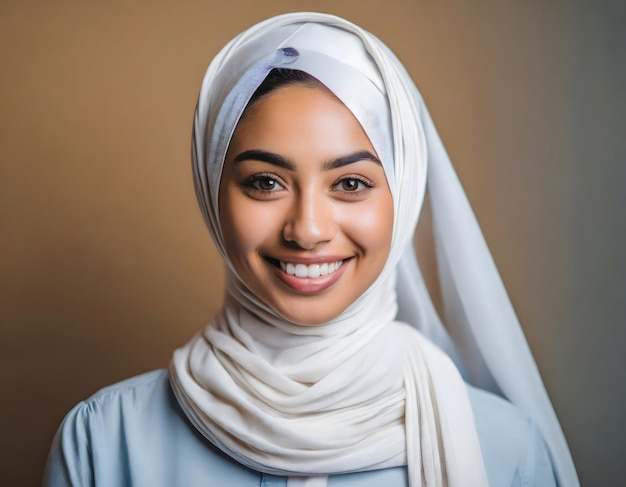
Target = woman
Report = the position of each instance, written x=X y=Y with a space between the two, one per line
x=312 y=152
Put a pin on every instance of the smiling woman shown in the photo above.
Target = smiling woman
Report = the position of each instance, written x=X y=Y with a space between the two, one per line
x=310 y=152
x=300 y=162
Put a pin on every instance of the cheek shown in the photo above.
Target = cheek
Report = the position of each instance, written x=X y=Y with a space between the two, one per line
x=371 y=226
x=373 y=222
x=245 y=225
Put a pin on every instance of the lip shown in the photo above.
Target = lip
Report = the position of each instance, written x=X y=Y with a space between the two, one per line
x=310 y=285
x=307 y=260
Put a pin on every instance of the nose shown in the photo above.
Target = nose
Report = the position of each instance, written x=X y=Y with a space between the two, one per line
x=310 y=222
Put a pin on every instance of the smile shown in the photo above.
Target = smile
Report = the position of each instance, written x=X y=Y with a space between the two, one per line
x=311 y=271
x=309 y=277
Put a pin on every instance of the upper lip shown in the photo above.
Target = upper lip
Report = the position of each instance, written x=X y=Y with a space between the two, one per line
x=307 y=260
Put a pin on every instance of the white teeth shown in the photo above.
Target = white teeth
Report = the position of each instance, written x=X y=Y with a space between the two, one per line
x=310 y=271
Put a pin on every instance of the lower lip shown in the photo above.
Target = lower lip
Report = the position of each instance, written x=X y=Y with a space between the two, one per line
x=313 y=285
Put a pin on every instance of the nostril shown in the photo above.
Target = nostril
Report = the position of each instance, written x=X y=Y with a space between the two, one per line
x=310 y=222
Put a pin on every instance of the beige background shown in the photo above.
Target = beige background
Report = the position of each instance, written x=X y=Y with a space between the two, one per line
x=106 y=267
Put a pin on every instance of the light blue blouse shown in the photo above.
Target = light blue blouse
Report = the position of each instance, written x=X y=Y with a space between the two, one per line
x=134 y=434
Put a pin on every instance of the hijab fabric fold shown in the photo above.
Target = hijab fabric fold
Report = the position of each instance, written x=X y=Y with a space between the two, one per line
x=364 y=391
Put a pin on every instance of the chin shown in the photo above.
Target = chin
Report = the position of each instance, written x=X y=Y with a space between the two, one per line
x=310 y=314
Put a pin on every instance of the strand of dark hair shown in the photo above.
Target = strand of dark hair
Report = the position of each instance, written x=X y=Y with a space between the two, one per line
x=280 y=77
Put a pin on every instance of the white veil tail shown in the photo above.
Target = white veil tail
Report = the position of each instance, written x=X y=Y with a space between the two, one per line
x=483 y=333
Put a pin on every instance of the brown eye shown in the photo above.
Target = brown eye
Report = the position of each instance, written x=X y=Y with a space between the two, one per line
x=350 y=185
x=263 y=186
x=263 y=183
x=266 y=184
x=353 y=185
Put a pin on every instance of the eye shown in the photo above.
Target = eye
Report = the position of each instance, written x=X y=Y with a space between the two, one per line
x=263 y=184
x=353 y=184
x=350 y=185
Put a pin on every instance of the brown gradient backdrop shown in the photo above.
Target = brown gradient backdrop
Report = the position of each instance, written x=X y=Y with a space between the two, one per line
x=105 y=263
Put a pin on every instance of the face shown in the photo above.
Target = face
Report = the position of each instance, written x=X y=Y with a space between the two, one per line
x=305 y=208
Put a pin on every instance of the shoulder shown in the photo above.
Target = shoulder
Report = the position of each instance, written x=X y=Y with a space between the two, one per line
x=513 y=450
x=117 y=411
x=134 y=433
x=133 y=401
x=144 y=384
x=492 y=413
x=146 y=390
x=97 y=429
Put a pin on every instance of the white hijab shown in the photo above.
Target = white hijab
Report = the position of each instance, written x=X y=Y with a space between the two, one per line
x=363 y=391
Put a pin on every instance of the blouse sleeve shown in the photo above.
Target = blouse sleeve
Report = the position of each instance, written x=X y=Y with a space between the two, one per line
x=535 y=469
x=514 y=451
x=70 y=461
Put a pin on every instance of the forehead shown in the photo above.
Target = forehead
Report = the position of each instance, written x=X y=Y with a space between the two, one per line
x=298 y=118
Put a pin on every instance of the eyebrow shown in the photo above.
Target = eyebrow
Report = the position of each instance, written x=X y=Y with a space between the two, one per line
x=269 y=157
x=350 y=159
x=277 y=160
